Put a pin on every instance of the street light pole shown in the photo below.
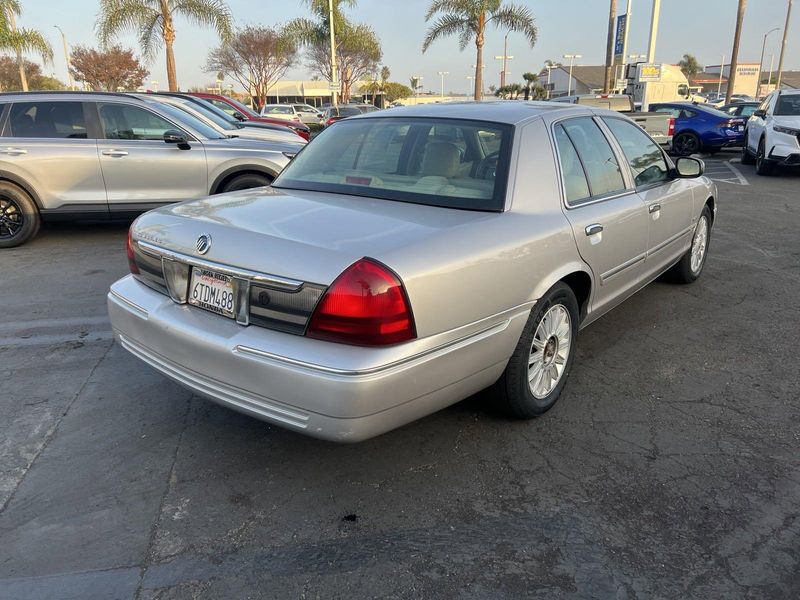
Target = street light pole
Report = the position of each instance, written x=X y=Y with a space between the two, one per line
x=504 y=58
x=66 y=57
x=470 y=79
x=334 y=67
x=442 y=74
x=761 y=62
x=571 y=58
x=549 y=68
x=771 y=64
x=783 y=44
x=719 y=85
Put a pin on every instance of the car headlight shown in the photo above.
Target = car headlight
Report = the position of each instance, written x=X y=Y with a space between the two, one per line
x=787 y=130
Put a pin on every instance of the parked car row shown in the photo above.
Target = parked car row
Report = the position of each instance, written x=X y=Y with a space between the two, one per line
x=67 y=155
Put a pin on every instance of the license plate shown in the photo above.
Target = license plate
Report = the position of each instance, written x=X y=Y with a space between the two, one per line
x=212 y=291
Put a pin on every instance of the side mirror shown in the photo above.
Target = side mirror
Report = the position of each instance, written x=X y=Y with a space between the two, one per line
x=760 y=113
x=173 y=136
x=689 y=168
x=239 y=117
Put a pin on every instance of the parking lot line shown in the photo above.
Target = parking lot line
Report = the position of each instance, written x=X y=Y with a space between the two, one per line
x=723 y=171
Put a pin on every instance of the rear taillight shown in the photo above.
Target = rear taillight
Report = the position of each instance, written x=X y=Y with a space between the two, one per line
x=330 y=121
x=131 y=256
x=671 y=128
x=367 y=305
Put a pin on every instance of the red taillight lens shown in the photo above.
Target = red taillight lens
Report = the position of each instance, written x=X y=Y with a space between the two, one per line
x=671 y=129
x=329 y=121
x=131 y=257
x=366 y=305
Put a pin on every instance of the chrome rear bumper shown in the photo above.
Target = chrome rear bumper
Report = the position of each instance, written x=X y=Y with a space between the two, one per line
x=331 y=391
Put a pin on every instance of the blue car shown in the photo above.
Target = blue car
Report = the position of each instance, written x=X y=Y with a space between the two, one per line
x=702 y=128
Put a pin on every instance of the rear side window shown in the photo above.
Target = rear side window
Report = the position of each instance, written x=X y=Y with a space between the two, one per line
x=224 y=106
x=596 y=156
x=576 y=187
x=125 y=122
x=643 y=154
x=279 y=110
x=47 y=120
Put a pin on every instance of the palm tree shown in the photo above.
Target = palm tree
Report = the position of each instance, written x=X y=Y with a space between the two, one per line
x=21 y=41
x=689 y=65
x=154 y=22
x=468 y=19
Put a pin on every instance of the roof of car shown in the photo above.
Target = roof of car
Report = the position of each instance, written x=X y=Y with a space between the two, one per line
x=66 y=94
x=499 y=111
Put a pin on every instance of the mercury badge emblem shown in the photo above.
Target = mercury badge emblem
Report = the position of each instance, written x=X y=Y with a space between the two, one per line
x=203 y=243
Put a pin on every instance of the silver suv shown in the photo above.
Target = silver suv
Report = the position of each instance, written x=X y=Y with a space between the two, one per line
x=104 y=155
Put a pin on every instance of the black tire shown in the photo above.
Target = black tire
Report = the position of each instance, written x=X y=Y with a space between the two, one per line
x=747 y=158
x=764 y=166
x=682 y=271
x=685 y=144
x=19 y=217
x=513 y=390
x=245 y=181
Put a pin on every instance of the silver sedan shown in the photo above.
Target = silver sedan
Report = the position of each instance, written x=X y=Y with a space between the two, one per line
x=403 y=262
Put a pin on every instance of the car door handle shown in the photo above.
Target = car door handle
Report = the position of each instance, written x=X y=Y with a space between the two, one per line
x=654 y=208
x=593 y=229
x=13 y=151
x=115 y=153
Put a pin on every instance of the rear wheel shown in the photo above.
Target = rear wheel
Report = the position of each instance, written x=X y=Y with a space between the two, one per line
x=538 y=369
x=688 y=269
x=764 y=166
x=19 y=217
x=685 y=144
x=747 y=158
x=246 y=181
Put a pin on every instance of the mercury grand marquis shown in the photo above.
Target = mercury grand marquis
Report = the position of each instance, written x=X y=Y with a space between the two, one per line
x=407 y=259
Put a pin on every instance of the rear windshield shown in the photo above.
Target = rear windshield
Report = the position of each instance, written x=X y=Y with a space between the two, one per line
x=438 y=162
x=346 y=111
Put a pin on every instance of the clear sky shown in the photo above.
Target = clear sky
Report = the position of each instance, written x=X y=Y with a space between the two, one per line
x=702 y=27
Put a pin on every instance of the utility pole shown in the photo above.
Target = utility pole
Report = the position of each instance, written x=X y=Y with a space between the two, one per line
x=654 y=17
x=612 y=17
x=783 y=44
x=651 y=48
x=334 y=66
x=737 y=34
x=504 y=58
x=66 y=57
x=761 y=62
x=571 y=58
x=442 y=74
x=771 y=64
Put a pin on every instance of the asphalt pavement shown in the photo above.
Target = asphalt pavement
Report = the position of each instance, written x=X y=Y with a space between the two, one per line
x=670 y=468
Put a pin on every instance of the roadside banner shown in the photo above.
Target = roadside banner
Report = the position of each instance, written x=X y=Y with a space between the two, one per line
x=619 y=45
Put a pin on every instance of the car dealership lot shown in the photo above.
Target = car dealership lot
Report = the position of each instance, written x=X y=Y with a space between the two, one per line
x=668 y=469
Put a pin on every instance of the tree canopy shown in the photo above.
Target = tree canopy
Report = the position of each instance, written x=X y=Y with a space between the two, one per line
x=107 y=70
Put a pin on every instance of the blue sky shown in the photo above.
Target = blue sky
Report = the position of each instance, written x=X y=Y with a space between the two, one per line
x=702 y=27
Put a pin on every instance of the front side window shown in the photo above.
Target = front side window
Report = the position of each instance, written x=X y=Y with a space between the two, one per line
x=438 y=162
x=126 y=122
x=596 y=156
x=279 y=110
x=225 y=107
x=643 y=154
x=47 y=120
x=788 y=106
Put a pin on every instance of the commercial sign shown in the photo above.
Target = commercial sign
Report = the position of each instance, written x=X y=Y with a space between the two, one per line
x=648 y=72
x=335 y=87
x=619 y=45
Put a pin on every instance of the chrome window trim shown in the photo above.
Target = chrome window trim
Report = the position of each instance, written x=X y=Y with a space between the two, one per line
x=282 y=283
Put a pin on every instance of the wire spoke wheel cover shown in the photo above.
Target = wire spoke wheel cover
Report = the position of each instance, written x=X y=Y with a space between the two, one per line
x=549 y=351
x=699 y=245
x=11 y=218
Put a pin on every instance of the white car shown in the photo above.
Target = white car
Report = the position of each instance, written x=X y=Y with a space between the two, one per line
x=295 y=112
x=772 y=136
